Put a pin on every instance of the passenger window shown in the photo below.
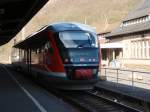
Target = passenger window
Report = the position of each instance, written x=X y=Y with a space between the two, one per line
x=49 y=47
x=38 y=50
x=42 y=49
x=46 y=46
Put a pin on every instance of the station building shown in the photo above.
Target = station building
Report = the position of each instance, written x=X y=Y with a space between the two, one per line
x=129 y=44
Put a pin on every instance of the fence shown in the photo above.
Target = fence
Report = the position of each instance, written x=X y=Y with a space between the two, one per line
x=128 y=77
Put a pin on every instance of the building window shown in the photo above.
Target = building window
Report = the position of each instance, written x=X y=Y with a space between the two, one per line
x=140 y=49
x=133 y=50
x=143 y=49
x=104 y=54
x=135 y=21
x=147 y=49
x=136 y=50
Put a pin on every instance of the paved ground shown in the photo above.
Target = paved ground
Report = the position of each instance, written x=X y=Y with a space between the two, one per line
x=18 y=94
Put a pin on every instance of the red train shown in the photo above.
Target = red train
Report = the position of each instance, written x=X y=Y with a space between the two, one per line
x=61 y=55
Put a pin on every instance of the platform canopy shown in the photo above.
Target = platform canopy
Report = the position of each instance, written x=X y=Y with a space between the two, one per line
x=33 y=41
x=14 y=14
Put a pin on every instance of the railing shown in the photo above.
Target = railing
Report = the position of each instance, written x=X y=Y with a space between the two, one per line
x=128 y=77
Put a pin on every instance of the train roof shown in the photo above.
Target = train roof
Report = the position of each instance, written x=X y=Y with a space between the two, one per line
x=64 y=26
x=34 y=40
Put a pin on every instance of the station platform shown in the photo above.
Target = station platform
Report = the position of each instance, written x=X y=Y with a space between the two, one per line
x=133 y=92
x=18 y=94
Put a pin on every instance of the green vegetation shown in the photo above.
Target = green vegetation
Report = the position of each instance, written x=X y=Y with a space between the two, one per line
x=104 y=15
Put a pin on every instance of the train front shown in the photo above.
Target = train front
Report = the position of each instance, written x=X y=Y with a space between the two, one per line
x=80 y=56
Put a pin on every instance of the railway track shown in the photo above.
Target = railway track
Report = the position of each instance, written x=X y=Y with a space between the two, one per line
x=121 y=99
x=91 y=102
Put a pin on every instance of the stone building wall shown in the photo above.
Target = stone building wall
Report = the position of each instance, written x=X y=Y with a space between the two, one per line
x=136 y=50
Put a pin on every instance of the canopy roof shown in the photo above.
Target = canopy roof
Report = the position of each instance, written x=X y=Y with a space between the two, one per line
x=14 y=14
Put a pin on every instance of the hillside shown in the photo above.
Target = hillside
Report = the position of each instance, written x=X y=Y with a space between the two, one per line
x=104 y=15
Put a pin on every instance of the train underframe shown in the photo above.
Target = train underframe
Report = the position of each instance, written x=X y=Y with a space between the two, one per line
x=59 y=80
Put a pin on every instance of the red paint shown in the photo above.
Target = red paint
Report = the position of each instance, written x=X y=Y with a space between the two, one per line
x=83 y=74
x=56 y=61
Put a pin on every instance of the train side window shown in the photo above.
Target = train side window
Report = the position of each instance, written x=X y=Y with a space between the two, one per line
x=36 y=51
x=39 y=50
x=46 y=46
x=42 y=49
x=59 y=44
x=49 y=47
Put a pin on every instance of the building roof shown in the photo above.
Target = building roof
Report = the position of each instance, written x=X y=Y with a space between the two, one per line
x=140 y=11
x=103 y=33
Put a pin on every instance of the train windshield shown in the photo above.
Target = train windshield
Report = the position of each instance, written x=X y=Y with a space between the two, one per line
x=76 y=39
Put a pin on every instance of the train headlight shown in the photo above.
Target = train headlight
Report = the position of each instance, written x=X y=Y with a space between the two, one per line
x=66 y=60
x=90 y=60
x=82 y=59
x=71 y=60
x=94 y=59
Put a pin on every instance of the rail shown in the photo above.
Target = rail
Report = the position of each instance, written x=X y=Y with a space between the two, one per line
x=88 y=101
x=129 y=77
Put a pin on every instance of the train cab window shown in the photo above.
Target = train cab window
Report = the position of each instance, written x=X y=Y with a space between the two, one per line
x=75 y=39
